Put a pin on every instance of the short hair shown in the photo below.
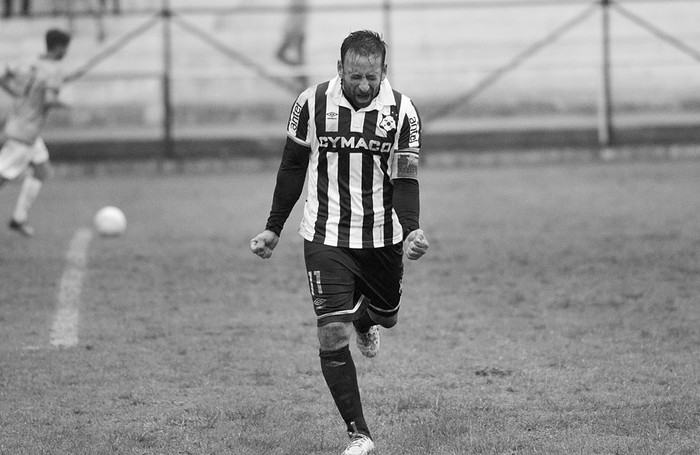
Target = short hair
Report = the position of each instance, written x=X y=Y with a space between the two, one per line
x=56 y=37
x=364 y=43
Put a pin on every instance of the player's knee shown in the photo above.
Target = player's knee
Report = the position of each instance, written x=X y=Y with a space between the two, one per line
x=334 y=336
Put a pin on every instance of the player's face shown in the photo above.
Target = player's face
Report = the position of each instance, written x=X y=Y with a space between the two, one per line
x=58 y=52
x=361 y=77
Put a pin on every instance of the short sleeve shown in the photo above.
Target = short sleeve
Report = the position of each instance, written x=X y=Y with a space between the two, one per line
x=298 y=124
x=8 y=78
x=410 y=133
x=404 y=160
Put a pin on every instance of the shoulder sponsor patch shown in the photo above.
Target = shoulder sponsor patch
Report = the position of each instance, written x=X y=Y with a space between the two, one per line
x=293 y=125
x=414 y=139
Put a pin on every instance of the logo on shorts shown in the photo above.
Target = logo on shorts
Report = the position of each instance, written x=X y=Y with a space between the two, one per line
x=319 y=302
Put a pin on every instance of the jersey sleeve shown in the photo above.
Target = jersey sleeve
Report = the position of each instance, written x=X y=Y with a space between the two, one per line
x=8 y=79
x=5 y=77
x=298 y=124
x=410 y=133
x=404 y=160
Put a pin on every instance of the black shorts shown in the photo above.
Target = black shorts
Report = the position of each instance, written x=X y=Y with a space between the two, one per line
x=346 y=281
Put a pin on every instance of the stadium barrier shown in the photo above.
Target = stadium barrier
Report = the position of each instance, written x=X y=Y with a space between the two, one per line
x=479 y=93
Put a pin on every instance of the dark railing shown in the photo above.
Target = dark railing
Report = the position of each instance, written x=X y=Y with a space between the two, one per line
x=169 y=16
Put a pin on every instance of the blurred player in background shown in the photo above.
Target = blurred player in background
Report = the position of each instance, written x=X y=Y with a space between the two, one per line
x=291 y=50
x=359 y=142
x=35 y=86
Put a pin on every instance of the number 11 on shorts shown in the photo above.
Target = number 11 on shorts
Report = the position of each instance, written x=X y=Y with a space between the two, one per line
x=315 y=282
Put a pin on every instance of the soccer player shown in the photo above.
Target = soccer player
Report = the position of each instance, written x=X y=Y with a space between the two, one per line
x=359 y=142
x=34 y=86
x=291 y=50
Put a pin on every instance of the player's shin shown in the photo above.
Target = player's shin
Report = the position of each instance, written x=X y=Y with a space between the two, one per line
x=27 y=195
x=339 y=372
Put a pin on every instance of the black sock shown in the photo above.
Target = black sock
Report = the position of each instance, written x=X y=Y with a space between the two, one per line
x=339 y=372
x=364 y=322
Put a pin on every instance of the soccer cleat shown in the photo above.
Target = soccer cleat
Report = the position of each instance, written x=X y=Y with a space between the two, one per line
x=360 y=444
x=23 y=228
x=368 y=343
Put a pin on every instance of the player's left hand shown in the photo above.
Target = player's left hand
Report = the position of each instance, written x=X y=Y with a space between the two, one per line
x=416 y=244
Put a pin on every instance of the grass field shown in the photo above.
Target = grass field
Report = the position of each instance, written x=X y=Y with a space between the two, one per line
x=556 y=313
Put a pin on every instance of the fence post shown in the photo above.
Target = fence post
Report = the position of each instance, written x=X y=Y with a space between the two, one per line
x=166 y=79
x=605 y=128
x=387 y=30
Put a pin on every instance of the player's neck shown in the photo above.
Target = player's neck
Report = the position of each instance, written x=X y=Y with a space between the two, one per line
x=355 y=106
x=50 y=57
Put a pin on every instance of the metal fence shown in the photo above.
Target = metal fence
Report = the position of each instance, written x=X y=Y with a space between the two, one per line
x=465 y=63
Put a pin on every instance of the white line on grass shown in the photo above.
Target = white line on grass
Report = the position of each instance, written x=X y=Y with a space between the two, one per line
x=64 y=332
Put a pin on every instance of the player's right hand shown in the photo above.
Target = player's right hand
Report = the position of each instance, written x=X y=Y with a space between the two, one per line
x=263 y=243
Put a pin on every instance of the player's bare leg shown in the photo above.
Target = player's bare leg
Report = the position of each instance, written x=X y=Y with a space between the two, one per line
x=339 y=372
x=27 y=195
x=25 y=230
x=31 y=186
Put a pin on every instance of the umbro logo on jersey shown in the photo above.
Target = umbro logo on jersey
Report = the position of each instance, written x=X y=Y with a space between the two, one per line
x=331 y=114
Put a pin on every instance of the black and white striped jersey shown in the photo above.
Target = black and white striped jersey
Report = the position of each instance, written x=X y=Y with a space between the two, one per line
x=354 y=157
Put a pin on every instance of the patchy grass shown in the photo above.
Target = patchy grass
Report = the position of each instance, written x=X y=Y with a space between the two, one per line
x=555 y=313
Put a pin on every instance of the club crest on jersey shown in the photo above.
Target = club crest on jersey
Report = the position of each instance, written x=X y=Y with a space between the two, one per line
x=388 y=123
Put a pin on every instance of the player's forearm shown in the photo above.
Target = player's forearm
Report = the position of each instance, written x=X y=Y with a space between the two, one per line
x=70 y=77
x=406 y=202
x=5 y=85
x=289 y=186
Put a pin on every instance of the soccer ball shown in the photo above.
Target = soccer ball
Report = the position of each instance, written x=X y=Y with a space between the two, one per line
x=110 y=221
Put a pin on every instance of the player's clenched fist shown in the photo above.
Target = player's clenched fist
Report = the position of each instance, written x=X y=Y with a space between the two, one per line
x=416 y=244
x=263 y=243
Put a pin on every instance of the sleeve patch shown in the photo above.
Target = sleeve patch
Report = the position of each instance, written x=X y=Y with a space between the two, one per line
x=414 y=137
x=294 y=118
x=407 y=165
